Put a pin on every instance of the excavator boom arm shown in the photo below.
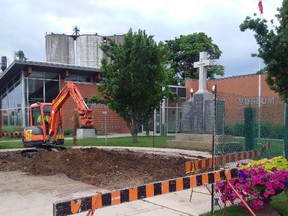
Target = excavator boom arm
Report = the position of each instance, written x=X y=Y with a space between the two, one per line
x=84 y=112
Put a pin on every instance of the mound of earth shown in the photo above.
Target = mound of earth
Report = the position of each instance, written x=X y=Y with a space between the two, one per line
x=110 y=169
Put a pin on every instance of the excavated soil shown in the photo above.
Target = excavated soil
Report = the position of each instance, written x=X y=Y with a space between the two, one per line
x=110 y=169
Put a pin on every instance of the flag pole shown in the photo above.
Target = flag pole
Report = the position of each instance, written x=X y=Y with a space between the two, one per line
x=259 y=101
x=260 y=6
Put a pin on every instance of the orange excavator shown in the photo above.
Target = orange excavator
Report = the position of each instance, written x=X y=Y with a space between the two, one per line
x=46 y=128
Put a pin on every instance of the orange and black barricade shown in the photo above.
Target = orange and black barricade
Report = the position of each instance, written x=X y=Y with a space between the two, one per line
x=206 y=164
x=140 y=192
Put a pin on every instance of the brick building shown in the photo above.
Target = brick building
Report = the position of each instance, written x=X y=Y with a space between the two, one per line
x=244 y=91
x=27 y=82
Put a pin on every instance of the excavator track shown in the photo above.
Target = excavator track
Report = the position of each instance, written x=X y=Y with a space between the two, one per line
x=29 y=153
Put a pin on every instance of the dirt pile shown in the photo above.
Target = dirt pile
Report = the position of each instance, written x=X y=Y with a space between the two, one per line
x=110 y=169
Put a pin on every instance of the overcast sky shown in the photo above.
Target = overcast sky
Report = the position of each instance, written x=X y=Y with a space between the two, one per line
x=25 y=23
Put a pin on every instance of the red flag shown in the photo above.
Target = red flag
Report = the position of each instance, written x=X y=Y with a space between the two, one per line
x=260 y=6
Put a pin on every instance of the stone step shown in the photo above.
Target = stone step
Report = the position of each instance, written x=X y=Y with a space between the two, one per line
x=194 y=137
x=190 y=145
x=202 y=137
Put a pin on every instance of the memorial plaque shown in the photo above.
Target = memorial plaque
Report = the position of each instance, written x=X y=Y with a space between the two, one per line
x=187 y=117
x=208 y=117
x=197 y=114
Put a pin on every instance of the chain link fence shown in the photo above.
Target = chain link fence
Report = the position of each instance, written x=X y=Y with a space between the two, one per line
x=248 y=123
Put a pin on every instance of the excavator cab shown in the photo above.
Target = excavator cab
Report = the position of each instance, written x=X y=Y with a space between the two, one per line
x=37 y=134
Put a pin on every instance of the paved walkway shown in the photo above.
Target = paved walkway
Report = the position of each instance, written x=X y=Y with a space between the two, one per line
x=23 y=194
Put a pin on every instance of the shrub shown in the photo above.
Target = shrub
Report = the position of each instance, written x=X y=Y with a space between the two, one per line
x=277 y=131
x=268 y=130
x=68 y=132
x=11 y=129
x=236 y=129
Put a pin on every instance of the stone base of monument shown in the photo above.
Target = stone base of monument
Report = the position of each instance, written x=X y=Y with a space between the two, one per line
x=203 y=142
x=198 y=142
x=228 y=147
x=85 y=133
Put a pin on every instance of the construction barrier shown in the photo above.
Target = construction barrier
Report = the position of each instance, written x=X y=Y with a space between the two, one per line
x=206 y=164
x=15 y=134
x=100 y=200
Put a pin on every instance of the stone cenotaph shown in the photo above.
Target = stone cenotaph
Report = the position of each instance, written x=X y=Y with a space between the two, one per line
x=198 y=114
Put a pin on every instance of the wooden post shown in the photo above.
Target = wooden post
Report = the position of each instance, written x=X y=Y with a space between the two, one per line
x=75 y=126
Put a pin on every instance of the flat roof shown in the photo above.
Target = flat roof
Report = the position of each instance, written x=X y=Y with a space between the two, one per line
x=18 y=66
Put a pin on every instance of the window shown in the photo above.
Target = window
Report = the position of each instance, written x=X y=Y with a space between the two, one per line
x=51 y=90
x=78 y=78
x=35 y=91
x=41 y=87
x=36 y=74
x=50 y=76
x=36 y=116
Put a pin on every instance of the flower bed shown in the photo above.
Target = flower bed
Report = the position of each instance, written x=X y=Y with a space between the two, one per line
x=258 y=181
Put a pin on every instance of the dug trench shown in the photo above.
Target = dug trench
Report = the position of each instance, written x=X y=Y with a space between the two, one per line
x=105 y=168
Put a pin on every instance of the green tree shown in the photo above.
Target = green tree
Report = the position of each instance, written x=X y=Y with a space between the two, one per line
x=273 y=49
x=134 y=75
x=184 y=51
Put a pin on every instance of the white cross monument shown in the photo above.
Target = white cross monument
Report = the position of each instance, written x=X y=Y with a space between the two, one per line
x=202 y=64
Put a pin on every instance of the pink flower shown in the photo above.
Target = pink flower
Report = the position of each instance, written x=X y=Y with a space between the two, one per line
x=238 y=185
x=242 y=179
x=246 y=172
x=248 y=184
x=260 y=203
x=255 y=202
x=272 y=191
x=268 y=185
x=255 y=192
x=275 y=181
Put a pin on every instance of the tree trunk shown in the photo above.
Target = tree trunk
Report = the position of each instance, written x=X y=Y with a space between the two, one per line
x=134 y=134
x=134 y=131
x=147 y=128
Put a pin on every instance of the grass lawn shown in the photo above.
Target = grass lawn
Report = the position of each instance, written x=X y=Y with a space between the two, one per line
x=143 y=141
x=233 y=210
x=276 y=148
x=276 y=145
x=9 y=143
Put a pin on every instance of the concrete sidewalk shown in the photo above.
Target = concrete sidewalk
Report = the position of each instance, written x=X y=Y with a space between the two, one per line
x=172 y=204
x=23 y=194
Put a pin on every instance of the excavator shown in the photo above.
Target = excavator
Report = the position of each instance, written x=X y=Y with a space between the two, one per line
x=46 y=128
